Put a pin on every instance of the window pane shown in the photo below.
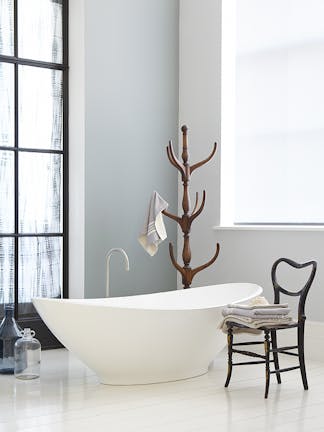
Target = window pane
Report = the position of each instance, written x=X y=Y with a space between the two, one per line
x=40 y=108
x=6 y=27
x=40 y=268
x=7 y=192
x=40 y=30
x=279 y=112
x=6 y=270
x=7 y=109
x=40 y=193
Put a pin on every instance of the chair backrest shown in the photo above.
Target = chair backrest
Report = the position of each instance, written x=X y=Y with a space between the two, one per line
x=302 y=292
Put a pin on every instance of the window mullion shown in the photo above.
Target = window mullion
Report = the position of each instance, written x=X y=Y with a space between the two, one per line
x=65 y=263
x=16 y=251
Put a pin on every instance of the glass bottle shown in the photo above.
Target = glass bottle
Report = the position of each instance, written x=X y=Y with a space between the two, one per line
x=9 y=333
x=27 y=356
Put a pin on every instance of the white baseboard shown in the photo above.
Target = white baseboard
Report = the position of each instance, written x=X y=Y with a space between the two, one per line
x=314 y=339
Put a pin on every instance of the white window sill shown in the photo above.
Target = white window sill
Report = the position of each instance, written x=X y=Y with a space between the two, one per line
x=268 y=227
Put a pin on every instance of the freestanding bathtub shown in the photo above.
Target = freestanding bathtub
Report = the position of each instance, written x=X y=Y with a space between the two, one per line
x=147 y=338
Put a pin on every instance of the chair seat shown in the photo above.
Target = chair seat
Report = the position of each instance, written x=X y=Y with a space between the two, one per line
x=293 y=324
x=280 y=326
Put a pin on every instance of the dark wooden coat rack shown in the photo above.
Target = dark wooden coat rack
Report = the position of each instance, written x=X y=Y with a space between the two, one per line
x=187 y=218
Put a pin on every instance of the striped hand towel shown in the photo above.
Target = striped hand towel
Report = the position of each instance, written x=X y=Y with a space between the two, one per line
x=154 y=230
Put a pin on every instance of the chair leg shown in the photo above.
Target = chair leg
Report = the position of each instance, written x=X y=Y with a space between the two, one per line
x=275 y=354
x=267 y=361
x=230 y=355
x=301 y=356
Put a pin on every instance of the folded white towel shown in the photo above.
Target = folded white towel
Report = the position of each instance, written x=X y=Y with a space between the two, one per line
x=154 y=230
x=258 y=300
x=256 y=313
x=253 y=307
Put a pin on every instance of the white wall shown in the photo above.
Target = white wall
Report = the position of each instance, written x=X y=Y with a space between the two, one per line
x=245 y=255
x=199 y=109
x=124 y=104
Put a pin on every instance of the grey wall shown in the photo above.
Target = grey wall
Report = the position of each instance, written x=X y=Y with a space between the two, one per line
x=246 y=255
x=131 y=111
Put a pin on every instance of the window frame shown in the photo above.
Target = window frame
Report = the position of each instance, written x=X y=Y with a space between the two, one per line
x=228 y=219
x=33 y=320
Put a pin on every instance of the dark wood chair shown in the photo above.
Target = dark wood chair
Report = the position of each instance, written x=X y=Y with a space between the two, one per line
x=270 y=332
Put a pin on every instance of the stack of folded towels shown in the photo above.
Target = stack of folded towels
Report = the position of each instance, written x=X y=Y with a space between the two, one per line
x=256 y=314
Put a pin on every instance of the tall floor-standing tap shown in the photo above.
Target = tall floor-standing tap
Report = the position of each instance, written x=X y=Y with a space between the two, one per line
x=108 y=261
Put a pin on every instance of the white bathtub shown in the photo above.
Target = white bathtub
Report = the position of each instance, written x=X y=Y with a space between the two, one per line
x=147 y=338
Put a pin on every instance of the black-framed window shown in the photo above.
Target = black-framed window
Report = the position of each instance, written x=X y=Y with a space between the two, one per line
x=33 y=155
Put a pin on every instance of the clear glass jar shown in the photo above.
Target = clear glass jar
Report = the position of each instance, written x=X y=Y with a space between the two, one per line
x=9 y=333
x=27 y=356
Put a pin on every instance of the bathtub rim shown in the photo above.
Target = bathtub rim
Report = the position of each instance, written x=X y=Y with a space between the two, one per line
x=103 y=302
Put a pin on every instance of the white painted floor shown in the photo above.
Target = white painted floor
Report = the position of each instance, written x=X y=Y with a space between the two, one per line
x=68 y=397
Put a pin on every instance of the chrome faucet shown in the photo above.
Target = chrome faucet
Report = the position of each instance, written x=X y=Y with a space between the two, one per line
x=108 y=261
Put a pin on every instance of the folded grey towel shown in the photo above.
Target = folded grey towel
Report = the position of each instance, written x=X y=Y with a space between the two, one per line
x=154 y=230
x=253 y=323
x=256 y=313
x=267 y=311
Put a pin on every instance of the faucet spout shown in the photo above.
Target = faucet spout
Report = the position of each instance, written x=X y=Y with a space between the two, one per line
x=108 y=256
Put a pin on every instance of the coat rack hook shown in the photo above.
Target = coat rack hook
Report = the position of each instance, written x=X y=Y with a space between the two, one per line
x=203 y=162
x=186 y=219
